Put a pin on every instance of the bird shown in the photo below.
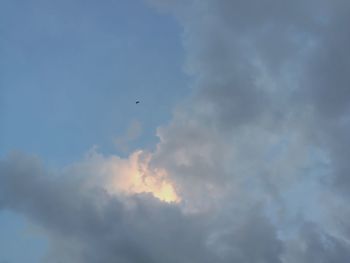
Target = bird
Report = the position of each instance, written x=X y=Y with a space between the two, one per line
x=137 y=102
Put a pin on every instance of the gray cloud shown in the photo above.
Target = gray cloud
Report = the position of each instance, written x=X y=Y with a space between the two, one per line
x=314 y=245
x=92 y=226
x=269 y=112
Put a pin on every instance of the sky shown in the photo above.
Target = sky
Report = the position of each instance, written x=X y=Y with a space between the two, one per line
x=237 y=152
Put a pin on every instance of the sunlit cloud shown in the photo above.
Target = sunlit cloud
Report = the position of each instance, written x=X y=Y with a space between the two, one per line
x=135 y=176
x=126 y=176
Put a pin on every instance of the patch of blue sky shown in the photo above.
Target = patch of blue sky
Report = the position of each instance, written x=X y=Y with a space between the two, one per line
x=17 y=242
x=72 y=70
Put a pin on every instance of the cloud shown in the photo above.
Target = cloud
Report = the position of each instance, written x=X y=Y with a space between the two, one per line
x=256 y=157
x=314 y=245
x=87 y=224
x=269 y=115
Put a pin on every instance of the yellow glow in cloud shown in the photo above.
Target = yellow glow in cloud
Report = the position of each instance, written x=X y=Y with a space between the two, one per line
x=135 y=176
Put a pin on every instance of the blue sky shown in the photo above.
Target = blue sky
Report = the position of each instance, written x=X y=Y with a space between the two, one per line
x=71 y=72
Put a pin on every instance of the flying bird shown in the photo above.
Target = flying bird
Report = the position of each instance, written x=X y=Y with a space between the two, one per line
x=137 y=102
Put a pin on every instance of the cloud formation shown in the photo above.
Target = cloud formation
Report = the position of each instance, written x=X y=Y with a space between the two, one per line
x=257 y=154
